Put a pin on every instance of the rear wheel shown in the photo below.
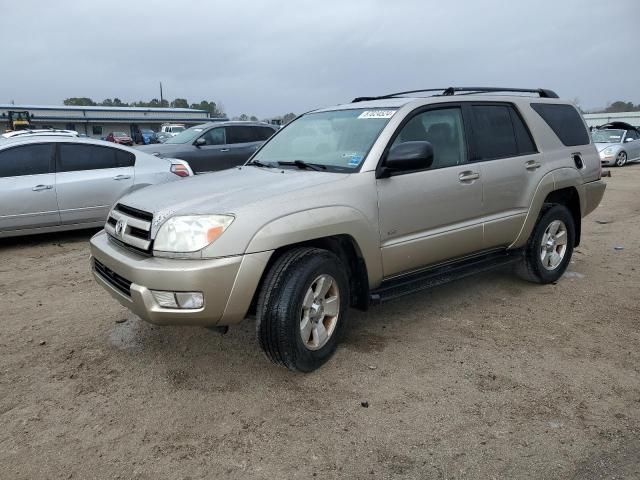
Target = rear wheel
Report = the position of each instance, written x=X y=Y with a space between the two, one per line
x=621 y=159
x=549 y=249
x=302 y=308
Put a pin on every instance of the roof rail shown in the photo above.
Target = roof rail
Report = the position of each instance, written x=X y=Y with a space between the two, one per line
x=542 y=92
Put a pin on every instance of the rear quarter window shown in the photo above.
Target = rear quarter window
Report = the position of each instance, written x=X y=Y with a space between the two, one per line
x=565 y=121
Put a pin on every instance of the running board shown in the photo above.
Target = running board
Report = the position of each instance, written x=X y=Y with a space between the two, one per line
x=425 y=279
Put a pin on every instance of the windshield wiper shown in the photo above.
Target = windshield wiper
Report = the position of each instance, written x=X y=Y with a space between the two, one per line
x=258 y=163
x=304 y=165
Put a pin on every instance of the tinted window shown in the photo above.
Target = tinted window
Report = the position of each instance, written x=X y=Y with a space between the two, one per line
x=26 y=160
x=215 y=136
x=565 y=121
x=263 y=133
x=494 y=134
x=86 y=157
x=243 y=134
x=125 y=159
x=523 y=137
x=443 y=128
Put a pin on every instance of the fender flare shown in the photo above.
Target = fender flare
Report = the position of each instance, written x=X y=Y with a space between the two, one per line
x=317 y=223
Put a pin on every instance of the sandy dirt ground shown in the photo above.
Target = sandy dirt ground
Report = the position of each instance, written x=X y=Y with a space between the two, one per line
x=488 y=377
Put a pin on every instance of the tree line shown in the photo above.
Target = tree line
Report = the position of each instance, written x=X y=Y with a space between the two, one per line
x=216 y=110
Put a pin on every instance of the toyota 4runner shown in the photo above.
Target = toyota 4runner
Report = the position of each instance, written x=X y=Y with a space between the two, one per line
x=357 y=204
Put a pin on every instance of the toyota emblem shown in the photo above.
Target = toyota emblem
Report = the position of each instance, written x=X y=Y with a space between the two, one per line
x=120 y=226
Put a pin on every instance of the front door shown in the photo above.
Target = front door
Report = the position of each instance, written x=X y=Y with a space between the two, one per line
x=433 y=215
x=27 y=188
x=211 y=156
x=89 y=180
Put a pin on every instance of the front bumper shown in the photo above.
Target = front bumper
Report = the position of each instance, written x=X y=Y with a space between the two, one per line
x=228 y=283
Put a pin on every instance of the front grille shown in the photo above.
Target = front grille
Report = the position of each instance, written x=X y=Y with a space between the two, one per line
x=112 y=278
x=130 y=227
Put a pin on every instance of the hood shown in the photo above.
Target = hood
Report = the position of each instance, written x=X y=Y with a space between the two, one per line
x=601 y=146
x=228 y=191
x=164 y=149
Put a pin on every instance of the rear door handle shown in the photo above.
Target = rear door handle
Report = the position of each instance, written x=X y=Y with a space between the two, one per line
x=224 y=150
x=532 y=165
x=122 y=177
x=468 y=176
x=38 y=188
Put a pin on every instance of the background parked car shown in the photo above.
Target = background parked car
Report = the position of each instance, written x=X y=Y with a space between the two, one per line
x=162 y=137
x=172 y=129
x=50 y=183
x=120 y=138
x=149 y=137
x=617 y=143
x=216 y=145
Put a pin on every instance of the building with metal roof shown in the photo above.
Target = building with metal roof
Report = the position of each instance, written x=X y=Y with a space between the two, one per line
x=597 y=119
x=97 y=121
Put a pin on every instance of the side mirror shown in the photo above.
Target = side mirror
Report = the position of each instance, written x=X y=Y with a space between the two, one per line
x=629 y=140
x=407 y=156
x=200 y=142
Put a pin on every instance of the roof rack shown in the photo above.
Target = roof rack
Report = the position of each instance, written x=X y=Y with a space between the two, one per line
x=542 y=92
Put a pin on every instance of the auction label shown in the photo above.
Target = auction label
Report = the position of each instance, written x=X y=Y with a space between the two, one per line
x=377 y=114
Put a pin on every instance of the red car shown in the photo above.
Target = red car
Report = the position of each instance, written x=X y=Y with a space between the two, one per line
x=120 y=137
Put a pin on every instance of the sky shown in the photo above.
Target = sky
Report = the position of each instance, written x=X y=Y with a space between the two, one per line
x=267 y=58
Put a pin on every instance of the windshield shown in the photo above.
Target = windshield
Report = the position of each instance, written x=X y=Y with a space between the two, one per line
x=339 y=139
x=187 y=136
x=607 y=136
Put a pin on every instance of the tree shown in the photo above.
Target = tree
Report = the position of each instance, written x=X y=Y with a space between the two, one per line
x=118 y=103
x=214 y=110
x=243 y=117
x=79 y=101
x=288 y=117
x=620 y=106
x=180 y=103
x=107 y=102
x=253 y=118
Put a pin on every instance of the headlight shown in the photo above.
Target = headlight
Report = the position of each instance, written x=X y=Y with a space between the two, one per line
x=190 y=233
x=608 y=151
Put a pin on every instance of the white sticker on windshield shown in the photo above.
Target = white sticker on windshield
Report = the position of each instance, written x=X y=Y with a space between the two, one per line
x=377 y=114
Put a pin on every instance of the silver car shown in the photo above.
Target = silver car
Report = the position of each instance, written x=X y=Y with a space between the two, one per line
x=62 y=182
x=617 y=146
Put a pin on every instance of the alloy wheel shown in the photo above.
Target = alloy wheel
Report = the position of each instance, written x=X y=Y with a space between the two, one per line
x=554 y=245
x=320 y=311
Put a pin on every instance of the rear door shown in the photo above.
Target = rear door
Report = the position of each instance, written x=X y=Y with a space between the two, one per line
x=27 y=187
x=243 y=140
x=511 y=168
x=89 y=179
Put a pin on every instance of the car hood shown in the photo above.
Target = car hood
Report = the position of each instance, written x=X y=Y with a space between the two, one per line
x=229 y=192
x=601 y=146
x=164 y=149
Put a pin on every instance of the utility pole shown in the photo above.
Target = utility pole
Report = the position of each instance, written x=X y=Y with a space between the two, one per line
x=161 y=97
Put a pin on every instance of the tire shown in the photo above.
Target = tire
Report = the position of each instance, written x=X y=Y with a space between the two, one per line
x=546 y=258
x=621 y=159
x=289 y=308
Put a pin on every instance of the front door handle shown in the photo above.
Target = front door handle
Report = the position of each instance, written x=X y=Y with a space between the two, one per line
x=39 y=188
x=532 y=165
x=122 y=177
x=224 y=150
x=468 y=176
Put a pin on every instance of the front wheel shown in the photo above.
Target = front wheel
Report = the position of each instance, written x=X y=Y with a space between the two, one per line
x=302 y=308
x=550 y=246
x=621 y=159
